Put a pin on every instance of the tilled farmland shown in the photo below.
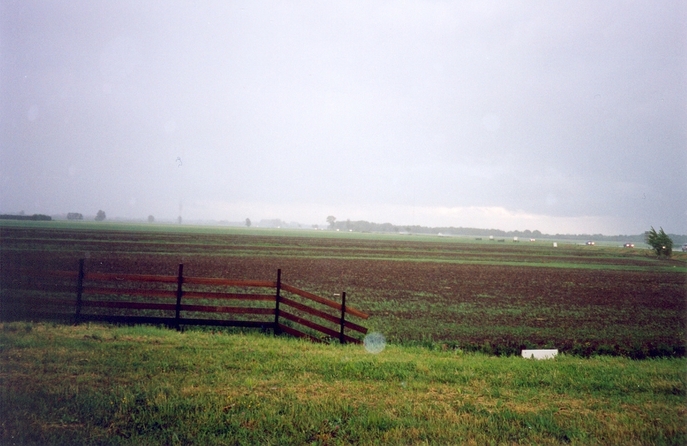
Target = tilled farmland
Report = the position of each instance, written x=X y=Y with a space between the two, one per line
x=444 y=294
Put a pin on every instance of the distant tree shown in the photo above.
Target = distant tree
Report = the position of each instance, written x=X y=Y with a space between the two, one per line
x=331 y=220
x=100 y=216
x=151 y=219
x=34 y=217
x=179 y=219
x=74 y=216
x=660 y=242
x=248 y=223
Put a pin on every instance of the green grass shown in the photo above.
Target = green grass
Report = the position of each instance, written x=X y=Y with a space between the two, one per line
x=95 y=384
x=173 y=228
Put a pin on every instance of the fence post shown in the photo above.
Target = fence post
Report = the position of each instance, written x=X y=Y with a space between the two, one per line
x=180 y=281
x=277 y=297
x=79 y=291
x=343 y=317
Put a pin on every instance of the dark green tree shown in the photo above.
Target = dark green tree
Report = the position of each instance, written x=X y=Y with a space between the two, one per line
x=100 y=216
x=331 y=220
x=660 y=242
x=248 y=223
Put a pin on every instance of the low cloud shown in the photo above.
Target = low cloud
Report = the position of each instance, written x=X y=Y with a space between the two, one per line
x=486 y=217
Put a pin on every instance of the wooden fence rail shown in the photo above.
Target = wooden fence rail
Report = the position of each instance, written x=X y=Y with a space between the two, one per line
x=140 y=299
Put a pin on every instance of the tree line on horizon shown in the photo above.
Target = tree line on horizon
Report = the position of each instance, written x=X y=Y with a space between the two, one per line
x=34 y=217
x=366 y=226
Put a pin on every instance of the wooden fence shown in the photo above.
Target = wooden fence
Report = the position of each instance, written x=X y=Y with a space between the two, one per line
x=176 y=301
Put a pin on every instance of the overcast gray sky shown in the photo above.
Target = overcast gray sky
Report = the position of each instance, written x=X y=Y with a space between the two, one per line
x=566 y=117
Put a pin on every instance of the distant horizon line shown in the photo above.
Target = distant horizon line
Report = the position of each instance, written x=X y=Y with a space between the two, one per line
x=320 y=226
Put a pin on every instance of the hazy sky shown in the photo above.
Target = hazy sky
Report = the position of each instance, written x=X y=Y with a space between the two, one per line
x=557 y=116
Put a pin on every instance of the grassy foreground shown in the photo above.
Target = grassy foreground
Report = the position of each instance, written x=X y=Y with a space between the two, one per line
x=95 y=384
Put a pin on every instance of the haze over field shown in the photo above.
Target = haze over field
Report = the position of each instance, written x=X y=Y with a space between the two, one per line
x=560 y=117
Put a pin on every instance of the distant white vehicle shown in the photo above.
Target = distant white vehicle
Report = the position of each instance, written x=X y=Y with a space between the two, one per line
x=684 y=247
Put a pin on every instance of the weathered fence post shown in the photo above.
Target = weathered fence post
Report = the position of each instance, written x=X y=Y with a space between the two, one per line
x=180 y=281
x=343 y=317
x=276 y=308
x=79 y=291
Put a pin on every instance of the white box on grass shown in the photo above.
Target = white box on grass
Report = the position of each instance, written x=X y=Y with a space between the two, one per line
x=539 y=354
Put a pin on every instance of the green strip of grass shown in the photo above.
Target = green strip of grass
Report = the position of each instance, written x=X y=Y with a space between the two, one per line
x=542 y=263
x=95 y=384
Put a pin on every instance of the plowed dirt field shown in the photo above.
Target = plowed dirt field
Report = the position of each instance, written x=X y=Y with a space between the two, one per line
x=448 y=294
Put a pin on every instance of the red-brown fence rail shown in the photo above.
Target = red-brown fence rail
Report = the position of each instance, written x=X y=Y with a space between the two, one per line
x=176 y=301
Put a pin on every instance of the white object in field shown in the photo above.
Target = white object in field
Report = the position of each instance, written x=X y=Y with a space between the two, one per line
x=555 y=245
x=539 y=354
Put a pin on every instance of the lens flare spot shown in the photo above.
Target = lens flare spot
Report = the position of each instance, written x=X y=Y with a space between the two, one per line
x=374 y=342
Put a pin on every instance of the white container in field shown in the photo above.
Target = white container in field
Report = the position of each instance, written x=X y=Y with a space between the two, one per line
x=555 y=245
x=539 y=354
